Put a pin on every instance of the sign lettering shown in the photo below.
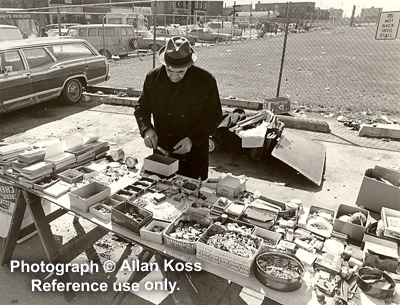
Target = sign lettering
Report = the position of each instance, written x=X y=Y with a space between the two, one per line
x=388 y=26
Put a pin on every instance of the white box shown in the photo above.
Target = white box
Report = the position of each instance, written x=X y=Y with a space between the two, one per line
x=161 y=165
x=147 y=234
x=231 y=186
x=389 y=218
x=82 y=198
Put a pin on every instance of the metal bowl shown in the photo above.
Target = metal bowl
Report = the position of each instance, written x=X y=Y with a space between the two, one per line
x=279 y=271
x=375 y=283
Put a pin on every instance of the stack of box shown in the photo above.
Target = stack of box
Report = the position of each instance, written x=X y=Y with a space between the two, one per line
x=27 y=158
x=100 y=149
x=10 y=152
x=34 y=173
x=219 y=207
x=83 y=153
x=62 y=161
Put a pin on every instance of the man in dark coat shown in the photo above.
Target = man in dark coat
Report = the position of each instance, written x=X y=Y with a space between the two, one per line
x=184 y=102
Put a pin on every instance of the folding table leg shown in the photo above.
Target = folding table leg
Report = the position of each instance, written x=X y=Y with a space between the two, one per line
x=46 y=236
x=13 y=234
x=136 y=276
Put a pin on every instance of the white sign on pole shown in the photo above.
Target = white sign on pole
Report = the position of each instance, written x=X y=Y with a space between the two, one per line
x=388 y=26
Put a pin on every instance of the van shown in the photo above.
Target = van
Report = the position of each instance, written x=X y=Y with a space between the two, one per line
x=108 y=39
x=9 y=32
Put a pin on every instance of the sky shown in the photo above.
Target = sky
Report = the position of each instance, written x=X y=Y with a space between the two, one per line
x=346 y=6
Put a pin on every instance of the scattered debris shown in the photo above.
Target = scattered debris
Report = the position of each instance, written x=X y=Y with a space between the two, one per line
x=374 y=158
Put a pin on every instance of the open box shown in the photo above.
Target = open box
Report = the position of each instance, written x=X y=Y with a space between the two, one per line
x=161 y=165
x=130 y=216
x=147 y=231
x=85 y=196
x=354 y=231
x=391 y=222
x=320 y=221
x=87 y=172
x=101 y=211
x=71 y=176
x=270 y=239
x=375 y=193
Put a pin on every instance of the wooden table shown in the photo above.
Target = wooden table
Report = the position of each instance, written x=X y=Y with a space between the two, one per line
x=32 y=199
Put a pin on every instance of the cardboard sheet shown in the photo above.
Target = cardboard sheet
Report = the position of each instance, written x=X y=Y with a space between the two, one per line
x=304 y=155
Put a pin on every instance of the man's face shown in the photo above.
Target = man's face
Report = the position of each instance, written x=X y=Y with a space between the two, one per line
x=175 y=74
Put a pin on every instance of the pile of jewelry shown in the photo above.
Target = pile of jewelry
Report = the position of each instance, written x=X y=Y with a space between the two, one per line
x=188 y=231
x=234 y=242
x=280 y=268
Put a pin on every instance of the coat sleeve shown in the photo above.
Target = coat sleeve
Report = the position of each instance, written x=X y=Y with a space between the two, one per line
x=143 y=111
x=211 y=116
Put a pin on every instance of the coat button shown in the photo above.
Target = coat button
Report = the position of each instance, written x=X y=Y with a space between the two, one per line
x=170 y=135
x=182 y=115
x=169 y=113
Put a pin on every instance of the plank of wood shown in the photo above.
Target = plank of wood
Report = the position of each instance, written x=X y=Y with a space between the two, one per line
x=242 y=104
x=304 y=155
x=379 y=131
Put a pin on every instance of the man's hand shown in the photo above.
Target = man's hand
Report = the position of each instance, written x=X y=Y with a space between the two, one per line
x=150 y=139
x=183 y=146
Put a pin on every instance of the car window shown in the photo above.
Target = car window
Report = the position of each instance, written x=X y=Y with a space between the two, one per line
x=107 y=32
x=12 y=61
x=92 y=32
x=175 y=32
x=82 y=32
x=71 y=51
x=129 y=31
x=37 y=57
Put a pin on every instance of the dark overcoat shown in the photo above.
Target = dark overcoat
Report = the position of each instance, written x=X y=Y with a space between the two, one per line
x=190 y=108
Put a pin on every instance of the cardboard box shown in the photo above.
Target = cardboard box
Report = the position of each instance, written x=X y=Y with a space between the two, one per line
x=231 y=186
x=147 y=233
x=101 y=211
x=82 y=198
x=322 y=224
x=375 y=194
x=161 y=165
x=119 y=216
x=354 y=231
x=277 y=105
x=71 y=176
x=380 y=246
x=391 y=222
x=270 y=239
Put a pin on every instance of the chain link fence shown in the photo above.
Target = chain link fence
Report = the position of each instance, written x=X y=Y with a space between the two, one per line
x=321 y=64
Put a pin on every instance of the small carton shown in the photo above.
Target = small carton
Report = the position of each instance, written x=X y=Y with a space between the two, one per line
x=161 y=165
x=85 y=196
x=380 y=246
x=391 y=223
x=71 y=176
x=101 y=211
x=130 y=217
x=375 y=193
x=147 y=232
x=231 y=186
x=354 y=231
x=269 y=238
x=277 y=105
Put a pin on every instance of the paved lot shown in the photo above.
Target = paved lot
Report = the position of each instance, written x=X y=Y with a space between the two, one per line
x=345 y=166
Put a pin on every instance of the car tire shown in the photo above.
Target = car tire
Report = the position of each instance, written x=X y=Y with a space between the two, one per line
x=105 y=53
x=218 y=39
x=133 y=43
x=156 y=47
x=212 y=145
x=72 y=92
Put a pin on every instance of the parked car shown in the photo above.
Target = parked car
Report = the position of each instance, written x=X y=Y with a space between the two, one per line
x=9 y=32
x=145 y=40
x=56 y=32
x=54 y=26
x=39 y=69
x=172 y=31
x=118 y=39
x=205 y=34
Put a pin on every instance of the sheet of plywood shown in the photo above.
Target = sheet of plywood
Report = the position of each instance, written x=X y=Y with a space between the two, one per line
x=304 y=155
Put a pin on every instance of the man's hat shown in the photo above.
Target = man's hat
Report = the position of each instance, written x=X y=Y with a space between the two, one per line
x=177 y=53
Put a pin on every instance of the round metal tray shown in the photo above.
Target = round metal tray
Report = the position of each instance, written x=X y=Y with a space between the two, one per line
x=270 y=264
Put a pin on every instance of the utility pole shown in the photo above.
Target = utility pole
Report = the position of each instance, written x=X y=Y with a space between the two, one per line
x=352 y=16
x=234 y=14
x=284 y=49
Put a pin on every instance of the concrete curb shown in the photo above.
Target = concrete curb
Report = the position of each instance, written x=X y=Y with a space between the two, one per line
x=111 y=96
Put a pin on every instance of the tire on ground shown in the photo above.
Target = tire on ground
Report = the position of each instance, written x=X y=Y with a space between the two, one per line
x=72 y=92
